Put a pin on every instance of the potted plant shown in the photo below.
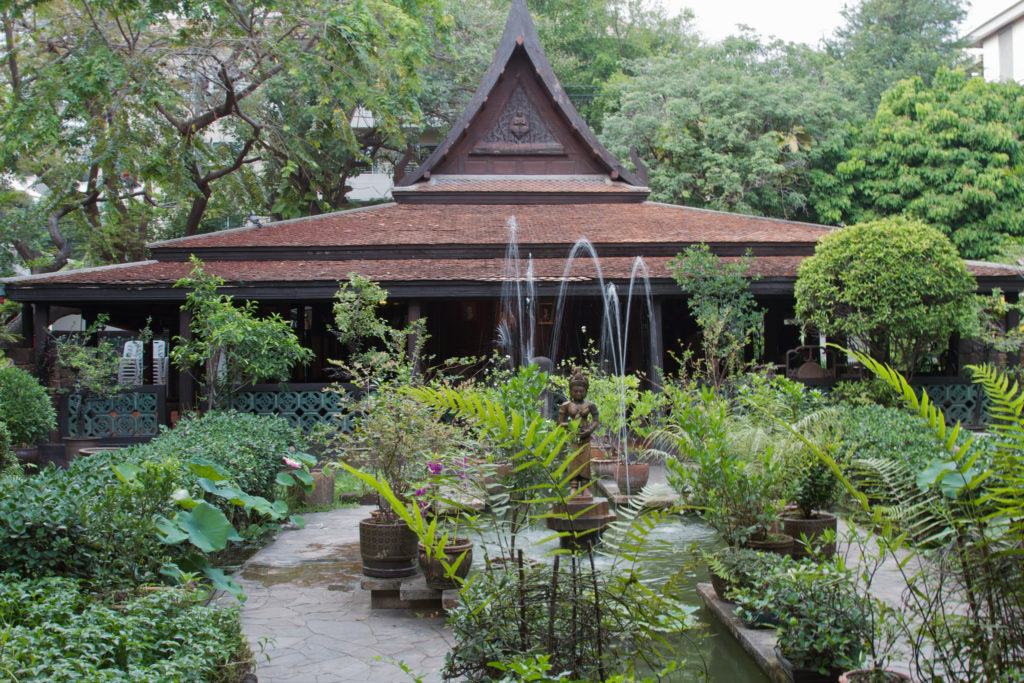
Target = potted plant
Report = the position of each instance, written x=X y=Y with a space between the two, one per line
x=394 y=437
x=452 y=478
x=816 y=489
x=737 y=492
x=94 y=371
x=823 y=620
x=731 y=568
x=26 y=409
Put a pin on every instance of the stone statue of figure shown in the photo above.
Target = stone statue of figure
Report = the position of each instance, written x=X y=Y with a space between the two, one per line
x=584 y=413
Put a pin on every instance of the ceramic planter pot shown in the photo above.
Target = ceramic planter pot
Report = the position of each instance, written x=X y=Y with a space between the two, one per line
x=631 y=478
x=866 y=676
x=74 y=444
x=388 y=550
x=720 y=584
x=26 y=454
x=433 y=569
x=781 y=544
x=796 y=526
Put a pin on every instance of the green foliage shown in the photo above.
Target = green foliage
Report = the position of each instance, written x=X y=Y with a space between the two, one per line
x=885 y=41
x=248 y=447
x=54 y=630
x=824 y=621
x=815 y=490
x=124 y=142
x=25 y=407
x=234 y=346
x=379 y=353
x=894 y=285
x=736 y=126
x=719 y=298
x=93 y=368
x=863 y=392
x=948 y=154
x=737 y=490
x=784 y=398
x=975 y=561
x=83 y=523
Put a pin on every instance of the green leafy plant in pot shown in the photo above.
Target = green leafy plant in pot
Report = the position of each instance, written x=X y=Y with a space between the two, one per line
x=26 y=409
x=816 y=489
x=394 y=438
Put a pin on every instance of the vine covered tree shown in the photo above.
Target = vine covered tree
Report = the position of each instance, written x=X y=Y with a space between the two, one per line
x=895 y=285
x=949 y=154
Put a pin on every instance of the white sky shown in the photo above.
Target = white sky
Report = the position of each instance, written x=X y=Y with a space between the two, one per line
x=801 y=21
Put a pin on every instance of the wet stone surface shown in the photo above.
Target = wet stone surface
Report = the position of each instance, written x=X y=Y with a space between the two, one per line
x=307 y=613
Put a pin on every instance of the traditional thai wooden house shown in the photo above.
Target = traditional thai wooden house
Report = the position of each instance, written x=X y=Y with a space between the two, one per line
x=520 y=151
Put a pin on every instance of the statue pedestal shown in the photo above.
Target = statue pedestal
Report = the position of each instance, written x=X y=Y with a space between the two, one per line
x=584 y=517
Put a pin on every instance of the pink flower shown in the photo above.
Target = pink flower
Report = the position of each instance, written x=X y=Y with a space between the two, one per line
x=419 y=492
x=435 y=467
x=292 y=463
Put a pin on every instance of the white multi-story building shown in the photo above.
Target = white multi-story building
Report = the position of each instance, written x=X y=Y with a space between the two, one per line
x=1001 y=41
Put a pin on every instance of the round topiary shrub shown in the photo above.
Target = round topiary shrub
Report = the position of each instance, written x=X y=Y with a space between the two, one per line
x=25 y=407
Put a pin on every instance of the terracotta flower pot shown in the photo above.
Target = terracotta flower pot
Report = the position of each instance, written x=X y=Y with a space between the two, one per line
x=796 y=526
x=388 y=550
x=781 y=544
x=867 y=676
x=603 y=468
x=631 y=478
x=433 y=569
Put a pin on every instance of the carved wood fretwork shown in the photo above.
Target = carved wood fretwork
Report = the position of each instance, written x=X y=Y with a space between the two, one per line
x=520 y=129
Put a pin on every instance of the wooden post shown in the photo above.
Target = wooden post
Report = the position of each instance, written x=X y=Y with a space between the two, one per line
x=40 y=323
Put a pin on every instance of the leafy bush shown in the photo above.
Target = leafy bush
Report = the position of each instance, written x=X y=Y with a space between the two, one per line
x=55 y=631
x=25 y=407
x=249 y=447
x=784 y=398
x=872 y=431
x=82 y=522
x=85 y=522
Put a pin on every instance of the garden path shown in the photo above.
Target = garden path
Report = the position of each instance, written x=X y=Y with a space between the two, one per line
x=306 y=612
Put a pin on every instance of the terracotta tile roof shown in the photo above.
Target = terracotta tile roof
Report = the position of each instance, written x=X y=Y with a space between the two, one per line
x=532 y=184
x=467 y=224
x=472 y=270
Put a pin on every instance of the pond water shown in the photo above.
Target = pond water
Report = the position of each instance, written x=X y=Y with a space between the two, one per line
x=712 y=647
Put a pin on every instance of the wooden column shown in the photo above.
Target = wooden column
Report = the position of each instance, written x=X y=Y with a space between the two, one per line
x=300 y=333
x=186 y=384
x=40 y=323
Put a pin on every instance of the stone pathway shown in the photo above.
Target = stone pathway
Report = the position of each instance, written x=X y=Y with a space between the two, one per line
x=306 y=612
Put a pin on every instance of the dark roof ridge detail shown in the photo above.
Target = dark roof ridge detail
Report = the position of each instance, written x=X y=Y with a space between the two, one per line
x=520 y=31
x=245 y=228
x=59 y=273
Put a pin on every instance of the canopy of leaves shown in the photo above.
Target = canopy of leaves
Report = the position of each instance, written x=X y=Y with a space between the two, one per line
x=129 y=115
x=897 y=285
x=734 y=126
x=949 y=155
x=233 y=345
x=885 y=41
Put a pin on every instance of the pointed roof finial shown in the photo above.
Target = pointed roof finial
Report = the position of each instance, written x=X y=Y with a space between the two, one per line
x=521 y=34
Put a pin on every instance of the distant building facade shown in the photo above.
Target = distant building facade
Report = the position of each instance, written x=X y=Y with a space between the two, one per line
x=1001 y=41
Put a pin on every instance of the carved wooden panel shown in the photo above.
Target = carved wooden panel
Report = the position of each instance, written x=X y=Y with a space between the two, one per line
x=520 y=129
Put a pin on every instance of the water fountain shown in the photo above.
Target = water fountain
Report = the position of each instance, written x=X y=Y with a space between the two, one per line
x=516 y=333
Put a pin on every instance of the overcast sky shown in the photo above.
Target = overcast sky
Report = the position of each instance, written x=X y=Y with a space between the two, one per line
x=803 y=21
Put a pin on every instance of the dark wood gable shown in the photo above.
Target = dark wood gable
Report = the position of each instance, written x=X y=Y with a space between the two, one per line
x=520 y=122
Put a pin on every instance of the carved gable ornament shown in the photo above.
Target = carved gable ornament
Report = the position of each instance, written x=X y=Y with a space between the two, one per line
x=519 y=130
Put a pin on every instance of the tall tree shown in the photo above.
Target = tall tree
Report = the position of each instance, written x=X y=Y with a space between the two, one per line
x=735 y=126
x=885 y=41
x=950 y=155
x=129 y=115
